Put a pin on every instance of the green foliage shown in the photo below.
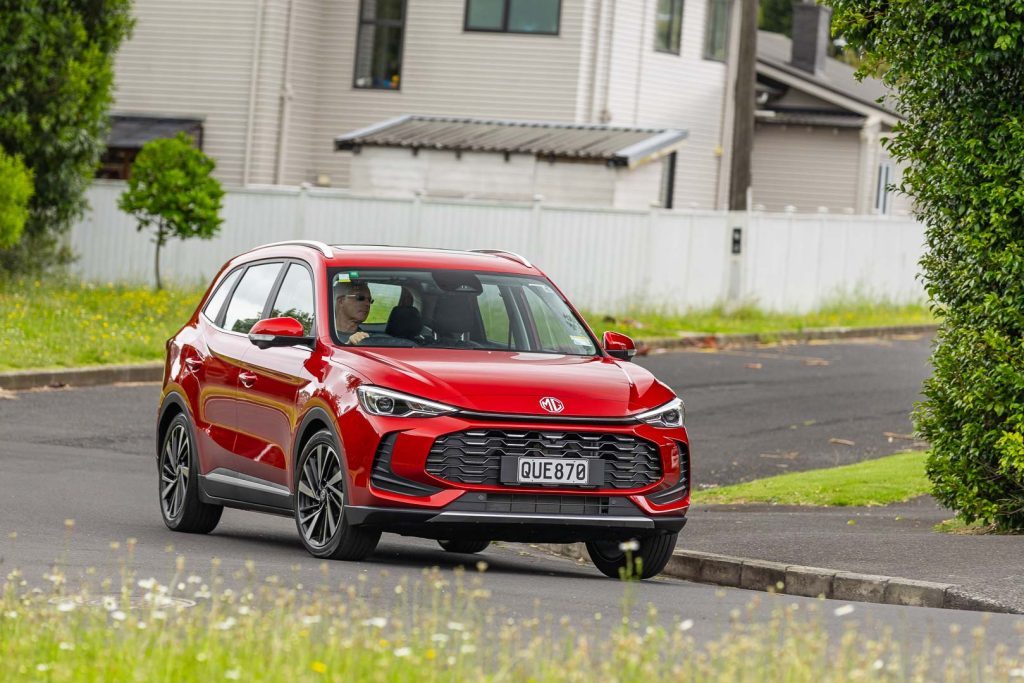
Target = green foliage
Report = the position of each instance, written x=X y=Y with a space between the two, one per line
x=957 y=66
x=171 y=191
x=56 y=80
x=15 y=193
x=776 y=16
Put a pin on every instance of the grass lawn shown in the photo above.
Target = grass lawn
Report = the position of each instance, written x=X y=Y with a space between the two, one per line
x=892 y=479
x=750 y=320
x=59 y=322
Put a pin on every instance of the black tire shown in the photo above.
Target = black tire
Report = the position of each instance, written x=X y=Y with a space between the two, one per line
x=320 y=491
x=654 y=552
x=465 y=546
x=178 y=482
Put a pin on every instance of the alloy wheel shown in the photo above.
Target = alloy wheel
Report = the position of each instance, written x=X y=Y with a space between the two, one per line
x=174 y=472
x=321 y=500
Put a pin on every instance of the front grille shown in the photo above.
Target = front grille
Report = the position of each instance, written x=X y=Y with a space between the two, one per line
x=474 y=456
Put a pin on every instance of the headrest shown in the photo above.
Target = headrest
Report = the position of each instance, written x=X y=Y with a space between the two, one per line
x=454 y=314
x=404 y=321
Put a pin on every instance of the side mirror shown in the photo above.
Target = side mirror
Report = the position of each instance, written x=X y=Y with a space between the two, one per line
x=618 y=345
x=278 y=332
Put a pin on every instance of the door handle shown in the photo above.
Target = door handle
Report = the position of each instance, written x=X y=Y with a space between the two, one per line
x=247 y=379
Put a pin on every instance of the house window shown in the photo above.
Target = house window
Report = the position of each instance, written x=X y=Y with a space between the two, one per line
x=883 y=193
x=379 y=46
x=513 y=16
x=668 y=26
x=716 y=38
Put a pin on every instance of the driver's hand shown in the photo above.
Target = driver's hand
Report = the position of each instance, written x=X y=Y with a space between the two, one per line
x=358 y=337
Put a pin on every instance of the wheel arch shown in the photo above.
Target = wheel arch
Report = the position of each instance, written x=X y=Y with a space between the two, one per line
x=173 y=404
x=316 y=420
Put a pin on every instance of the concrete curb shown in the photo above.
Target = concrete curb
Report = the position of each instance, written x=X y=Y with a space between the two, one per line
x=153 y=372
x=698 y=340
x=811 y=582
x=81 y=377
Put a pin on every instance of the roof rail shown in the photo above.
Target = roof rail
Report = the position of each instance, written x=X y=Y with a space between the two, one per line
x=511 y=255
x=312 y=244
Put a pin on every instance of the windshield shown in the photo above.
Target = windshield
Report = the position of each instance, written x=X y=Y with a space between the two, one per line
x=454 y=309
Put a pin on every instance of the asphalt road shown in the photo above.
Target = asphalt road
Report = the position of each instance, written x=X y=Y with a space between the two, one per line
x=86 y=455
x=752 y=413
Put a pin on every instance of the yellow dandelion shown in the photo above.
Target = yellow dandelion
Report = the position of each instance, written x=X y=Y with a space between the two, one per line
x=319 y=667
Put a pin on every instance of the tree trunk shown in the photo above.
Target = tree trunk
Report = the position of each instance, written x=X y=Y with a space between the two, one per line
x=159 y=242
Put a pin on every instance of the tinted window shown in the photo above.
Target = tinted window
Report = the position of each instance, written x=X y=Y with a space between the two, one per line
x=668 y=26
x=455 y=309
x=557 y=328
x=216 y=301
x=246 y=305
x=494 y=315
x=379 y=45
x=716 y=38
x=513 y=16
x=295 y=298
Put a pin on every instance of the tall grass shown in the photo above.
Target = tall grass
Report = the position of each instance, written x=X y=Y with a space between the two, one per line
x=440 y=627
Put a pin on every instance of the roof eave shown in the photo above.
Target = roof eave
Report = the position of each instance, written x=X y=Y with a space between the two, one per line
x=655 y=147
x=825 y=92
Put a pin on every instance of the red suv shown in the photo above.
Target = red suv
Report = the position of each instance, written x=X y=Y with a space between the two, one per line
x=453 y=395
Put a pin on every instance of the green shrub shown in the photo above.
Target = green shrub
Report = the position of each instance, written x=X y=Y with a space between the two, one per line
x=957 y=65
x=171 y=191
x=56 y=84
x=15 y=191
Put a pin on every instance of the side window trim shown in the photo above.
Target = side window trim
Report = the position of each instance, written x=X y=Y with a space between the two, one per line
x=219 y=322
x=276 y=290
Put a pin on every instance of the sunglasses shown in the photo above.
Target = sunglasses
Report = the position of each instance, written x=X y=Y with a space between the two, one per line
x=359 y=297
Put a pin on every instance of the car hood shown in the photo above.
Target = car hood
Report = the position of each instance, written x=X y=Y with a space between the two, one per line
x=504 y=382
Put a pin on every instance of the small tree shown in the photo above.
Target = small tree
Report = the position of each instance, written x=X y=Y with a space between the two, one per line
x=172 y=192
x=15 y=192
x=958 y=71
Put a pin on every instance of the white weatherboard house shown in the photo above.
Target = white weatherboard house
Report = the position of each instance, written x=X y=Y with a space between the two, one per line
x=285 y=92
x=275 y=82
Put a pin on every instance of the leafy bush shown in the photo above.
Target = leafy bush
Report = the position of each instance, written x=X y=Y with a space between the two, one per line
x=56 y=83
x=957 y=65
x=15 y=192
x=171 y=191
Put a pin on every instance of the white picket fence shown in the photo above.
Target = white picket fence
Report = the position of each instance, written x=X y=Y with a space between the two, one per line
x=606 y=260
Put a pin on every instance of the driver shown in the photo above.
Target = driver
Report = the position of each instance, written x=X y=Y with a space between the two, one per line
x=352 y=302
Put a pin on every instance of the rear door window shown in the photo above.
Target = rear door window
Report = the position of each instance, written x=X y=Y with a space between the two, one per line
x=250 y=297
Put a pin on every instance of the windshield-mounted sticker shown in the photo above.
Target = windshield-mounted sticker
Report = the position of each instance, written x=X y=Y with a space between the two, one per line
x=354 y=275
x=341 y=277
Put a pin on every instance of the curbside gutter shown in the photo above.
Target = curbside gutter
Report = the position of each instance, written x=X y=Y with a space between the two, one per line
x=81 y=377
x=700 y=340
x=810 y=582
x=153 y=372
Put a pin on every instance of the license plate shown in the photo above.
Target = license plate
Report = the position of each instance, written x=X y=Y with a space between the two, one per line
x=552 y=471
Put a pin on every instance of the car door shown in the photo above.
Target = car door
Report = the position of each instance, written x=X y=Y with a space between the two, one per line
x=208 y=381
x=269 y=405
x=225 y=378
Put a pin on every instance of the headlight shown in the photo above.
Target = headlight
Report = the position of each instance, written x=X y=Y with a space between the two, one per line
x=671 y=414
x=377 y=401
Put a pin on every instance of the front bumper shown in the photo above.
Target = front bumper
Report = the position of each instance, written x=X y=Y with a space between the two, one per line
x=547 y=519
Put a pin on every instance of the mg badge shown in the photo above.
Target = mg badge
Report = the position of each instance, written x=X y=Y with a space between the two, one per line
x=551 y=404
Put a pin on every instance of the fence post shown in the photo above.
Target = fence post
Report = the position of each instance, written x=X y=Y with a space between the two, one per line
x=739 y=239
x=416 y=219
